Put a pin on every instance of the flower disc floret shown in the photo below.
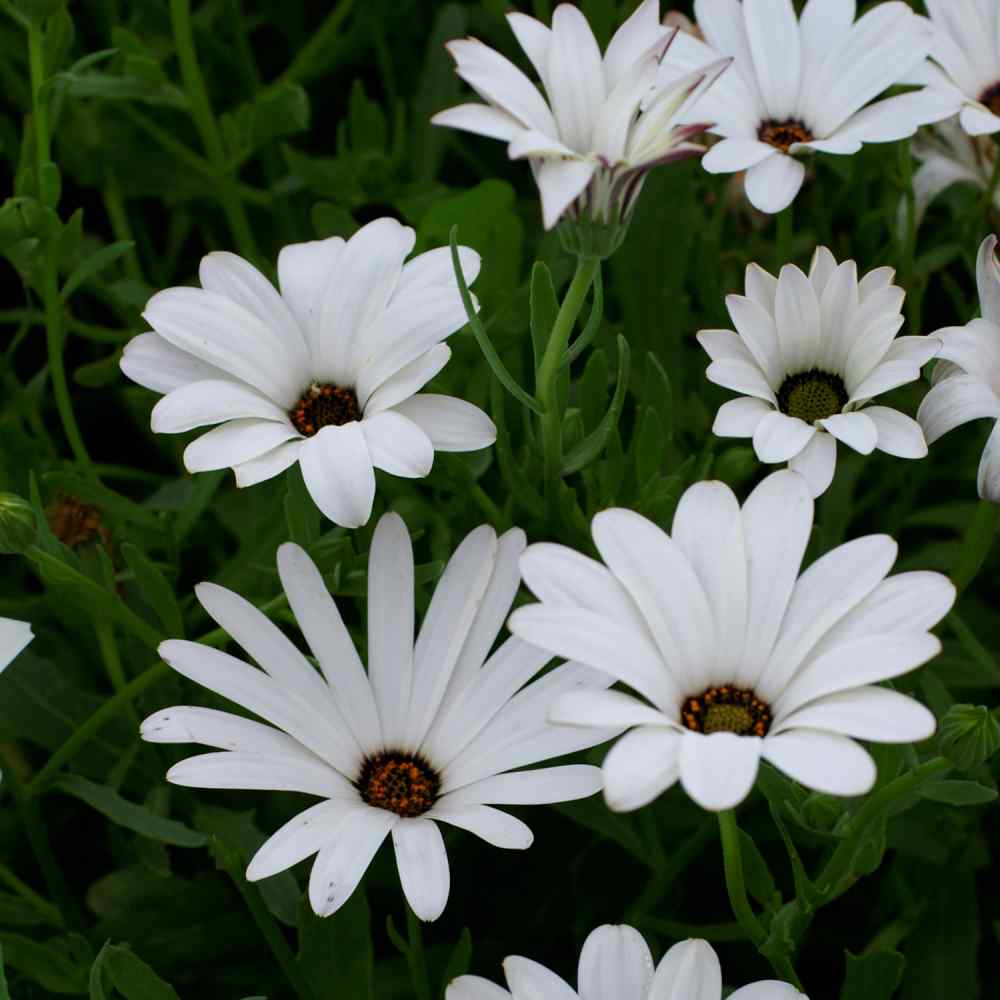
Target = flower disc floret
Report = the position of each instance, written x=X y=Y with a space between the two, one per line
x=727 y=709
x=403 y=783
x=812 y=395
x=324 y=406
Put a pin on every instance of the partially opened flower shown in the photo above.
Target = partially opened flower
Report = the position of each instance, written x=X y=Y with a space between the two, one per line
x=328 y=373
x=14 y=636
x=965 y=72
x=430 y=734
x=616 y=964
x=803 y=85
x=967 y=376
x=809 y=355
x=736 y=657
x=604 y=124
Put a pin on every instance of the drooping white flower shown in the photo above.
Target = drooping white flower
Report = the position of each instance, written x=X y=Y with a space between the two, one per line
x=616 y=964
x=948 y=155
x=965 y=72
x=430 y=734
x=14 y=636
x=967 y=376
x=804 y=85
x=809 y=355
x=604 y=123
x=737 y=657
x=327 y=373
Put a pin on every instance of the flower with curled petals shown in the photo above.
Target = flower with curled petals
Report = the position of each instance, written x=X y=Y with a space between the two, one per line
x=737 y=657
x=605 y=123
x=431 y=733
x=967 y=375
x=801 y=85
x=14 y=636
x=616 y=964
x=327 y=373
x=808 y=356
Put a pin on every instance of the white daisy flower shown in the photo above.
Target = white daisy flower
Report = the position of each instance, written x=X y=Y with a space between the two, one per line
x=967 y=376
x=14 y=636
x=429 y=734
x=965 y=73
x=803 y=85
x=326 y=374
x=949 y=156
x=616 y=964
x=604 y=126
x=809 y=355
x=738 y=658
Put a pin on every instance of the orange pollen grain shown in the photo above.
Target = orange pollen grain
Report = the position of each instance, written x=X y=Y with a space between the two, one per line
x=402 y=783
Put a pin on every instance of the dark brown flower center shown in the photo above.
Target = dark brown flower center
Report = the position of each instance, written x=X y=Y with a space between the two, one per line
x=324 y=405
x=782 y=135
x=812 y=395
x=74 y=522
x=991 y=97
x=727 y=709
x=403 y=783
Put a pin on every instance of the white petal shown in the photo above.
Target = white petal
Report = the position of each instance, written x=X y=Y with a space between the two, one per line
x=156 y=364
x=779 y=437
x=756 y=327
x=816 y=463
x=300 y=838
x=979 y=121
x=534 y=38
x=988 y=280
x=305 y=270
x=719 y=770
x=740 y=376
x=223 y=730
x=865 y=713
x=856 y=430
x=337 y=469
x=390 y=624
x=604 y=708
x=474 y=988
x=898 y=434
x=797 y=317
x=975 y=347
x=765 y=989
x=211 y=402
x=529 y=980
x=559 y=184
x=340 y=865
x=956 y=401
x=888 y=375
x=773 y=35
x=689 y=970
x=423 y=866
x=824 y=762
x=735 y=154
x=740 y=417
x=988 y=475
x=14 y=636
x=575 y=77
x=397 y=445
x=540 y=786
x=637 y=34
x=236 y=442
x=480 y=119
x=640 y=766
x=435 y=268
x=772 y=184
x=530 y=144
x=615 y=964
x=330 y=642
x=451 y=424
x=238 y=769
x=409 y=379
x=494 y=826
x=272 y=463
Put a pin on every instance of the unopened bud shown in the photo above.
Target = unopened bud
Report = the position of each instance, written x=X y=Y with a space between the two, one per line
x=969 y=735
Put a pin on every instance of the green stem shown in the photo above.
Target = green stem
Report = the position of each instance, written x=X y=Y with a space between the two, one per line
x=783 y=243
x=208 y=127
x=114 y=204
x=976 y=544
x=266 y=924
x=416 y=958
x=49 y=913
x=732 y=859
x=50 y=273
x=839 y=864
x=547 y=376
x=301 y=67
x=112 y=661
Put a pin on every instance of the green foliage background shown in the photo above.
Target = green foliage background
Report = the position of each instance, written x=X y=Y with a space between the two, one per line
x=318 y=122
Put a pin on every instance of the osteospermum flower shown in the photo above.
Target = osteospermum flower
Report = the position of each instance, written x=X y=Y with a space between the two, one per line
x=430 y=734
x=616 y=964
x=604 y=125
x=803 y=85
x=738 y=657
x=967 y=376
x=327 y=373
x=809 y=355
x=14 y=636
x=965 y=74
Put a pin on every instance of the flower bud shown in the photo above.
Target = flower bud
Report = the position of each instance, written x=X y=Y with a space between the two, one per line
x=969 y=735
x=18 y=524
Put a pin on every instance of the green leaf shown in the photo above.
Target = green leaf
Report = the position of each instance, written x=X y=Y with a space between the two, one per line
x=759 y=880
x=872 y=976
x=544 y=309
x=131 y=976
x=592 y=445
x=301 y=514
x=658 y=393
x=275 y=112
x=649 y=448
x=129 y=815
x=335 y=953
x=592 y=389
x=589 y=331
x=99 y=374
x=156 y=589
x=459 y=960
x=59 y=965
x=103 y=497
x=958 y=793
x=4 y=994
x=93 y=264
